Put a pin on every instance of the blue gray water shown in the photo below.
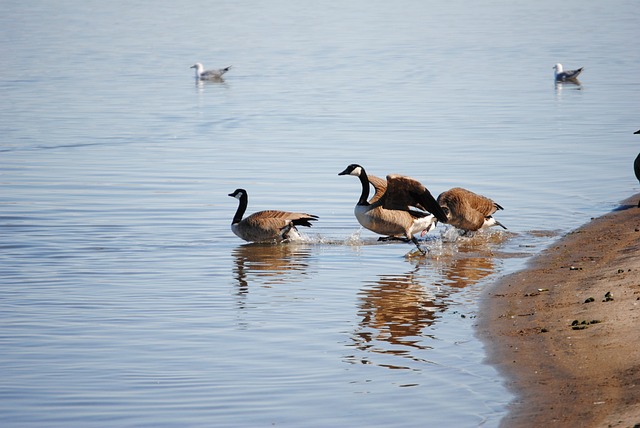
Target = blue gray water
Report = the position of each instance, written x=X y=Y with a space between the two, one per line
x=127 y=301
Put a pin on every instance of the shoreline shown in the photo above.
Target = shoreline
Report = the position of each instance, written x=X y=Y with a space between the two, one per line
x=570 y=352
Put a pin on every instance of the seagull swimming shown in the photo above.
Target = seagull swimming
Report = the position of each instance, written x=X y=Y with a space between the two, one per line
x=563 y=76
x=203 y=74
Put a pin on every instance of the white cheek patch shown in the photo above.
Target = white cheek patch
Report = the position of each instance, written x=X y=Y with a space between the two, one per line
x=357 y=171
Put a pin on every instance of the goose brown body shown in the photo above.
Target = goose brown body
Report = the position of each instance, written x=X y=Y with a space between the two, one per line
x=467 y=210
x=268 y=225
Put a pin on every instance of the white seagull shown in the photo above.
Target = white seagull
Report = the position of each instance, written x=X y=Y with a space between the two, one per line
x=203 y=74
x=563 y=76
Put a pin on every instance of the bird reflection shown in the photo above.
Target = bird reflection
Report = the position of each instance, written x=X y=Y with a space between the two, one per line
x=568 y=84
x=269 y=264
x=396 y=311
x=201 y=84
x=465 y=260
x=461 y=273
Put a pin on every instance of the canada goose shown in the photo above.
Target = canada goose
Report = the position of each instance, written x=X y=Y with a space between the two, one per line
x=563 y=76
x=400 y=207
x=203 y=74
x=271 y=225
x=636 y=169
x=467 y=210
x=636 y=165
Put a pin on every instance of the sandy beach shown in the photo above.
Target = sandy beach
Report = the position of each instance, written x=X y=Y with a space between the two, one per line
x=565 y=332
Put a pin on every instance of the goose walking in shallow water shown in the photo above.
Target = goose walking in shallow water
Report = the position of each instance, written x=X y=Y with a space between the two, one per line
x=202 y=74
x=636 y=169
x=467 y=210
x=266 y=226
x=636 y=165
x=400 y=208
x=565 y=76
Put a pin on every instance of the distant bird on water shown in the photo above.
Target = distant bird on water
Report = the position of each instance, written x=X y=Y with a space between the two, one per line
x=566 y=76
x=203 y=74
x=467 y=210
x=266 y=226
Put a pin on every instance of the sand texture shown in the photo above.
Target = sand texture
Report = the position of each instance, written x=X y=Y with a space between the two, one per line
x=566 y=331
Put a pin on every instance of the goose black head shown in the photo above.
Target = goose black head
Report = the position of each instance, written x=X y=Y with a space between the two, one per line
x=238 y=193
x=353 y=169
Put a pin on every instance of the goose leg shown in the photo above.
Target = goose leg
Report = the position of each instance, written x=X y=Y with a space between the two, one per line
x=415 y=241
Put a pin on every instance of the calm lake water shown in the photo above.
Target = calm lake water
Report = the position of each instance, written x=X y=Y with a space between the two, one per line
x=125 y=298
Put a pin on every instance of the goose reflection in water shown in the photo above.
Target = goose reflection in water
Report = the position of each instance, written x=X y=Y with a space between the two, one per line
x=269 y=264
x=468 y=260
x=397 y=310
x=466 y=269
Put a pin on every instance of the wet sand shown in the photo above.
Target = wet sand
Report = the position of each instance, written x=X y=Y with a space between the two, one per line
x=565 y=332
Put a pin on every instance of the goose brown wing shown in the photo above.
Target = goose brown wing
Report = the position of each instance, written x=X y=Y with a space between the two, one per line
x=483 y=204
x=403 y=193
x=380 y=186
x=303 y=219
x=463 y=200
x=279 y=219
